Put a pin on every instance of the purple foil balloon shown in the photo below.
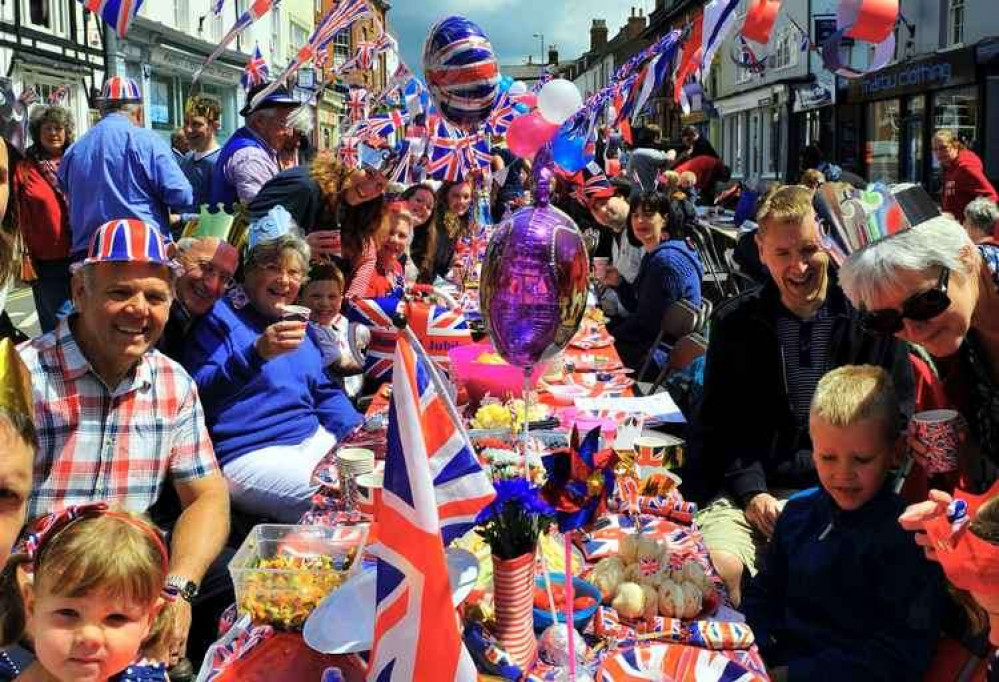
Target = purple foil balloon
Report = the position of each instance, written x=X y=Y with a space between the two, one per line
x=534 y=284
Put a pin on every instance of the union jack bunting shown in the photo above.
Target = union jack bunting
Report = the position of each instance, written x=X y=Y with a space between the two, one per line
x=383 y=125
x=217 y=7
x=256 y=71
x=672 y=662
x=338 y=18
x=364 y=56
x=401 y=172
x=357 y=104
x=257 y=9
x=118 y=14
x=717 y=20
x=502 y=115
x=433 y=489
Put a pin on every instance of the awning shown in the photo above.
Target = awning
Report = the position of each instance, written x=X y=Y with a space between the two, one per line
x=59 y=66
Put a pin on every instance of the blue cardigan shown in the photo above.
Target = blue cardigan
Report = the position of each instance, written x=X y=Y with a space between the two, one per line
x=252 y=404
x=845 y=595
x=670 y=272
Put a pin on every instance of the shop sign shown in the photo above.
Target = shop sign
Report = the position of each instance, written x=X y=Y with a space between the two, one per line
x=936 y=72
x=187 y=64
x=818 y=94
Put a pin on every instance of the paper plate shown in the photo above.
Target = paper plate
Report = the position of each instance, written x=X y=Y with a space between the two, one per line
x=344 y=622
x=672 y=662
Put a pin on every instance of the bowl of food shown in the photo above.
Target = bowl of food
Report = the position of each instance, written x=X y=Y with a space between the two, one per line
x=586 y=599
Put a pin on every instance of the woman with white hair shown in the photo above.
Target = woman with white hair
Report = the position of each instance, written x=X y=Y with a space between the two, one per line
x=932 y=286
x=981 y=219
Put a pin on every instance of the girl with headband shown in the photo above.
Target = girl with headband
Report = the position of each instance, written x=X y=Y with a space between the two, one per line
x=86 y=594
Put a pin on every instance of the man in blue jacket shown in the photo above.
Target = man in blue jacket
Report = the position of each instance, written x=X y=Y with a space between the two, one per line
x=119 y=169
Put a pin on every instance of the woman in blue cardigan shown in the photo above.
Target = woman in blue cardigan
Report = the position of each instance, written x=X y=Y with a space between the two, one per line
x=271 y=409
x=671 y=270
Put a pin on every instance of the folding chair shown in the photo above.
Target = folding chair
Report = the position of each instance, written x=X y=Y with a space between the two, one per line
x=679 y=319
x=684 y=351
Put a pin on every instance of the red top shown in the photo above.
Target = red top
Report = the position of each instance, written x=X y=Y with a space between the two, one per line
x=704 y=167
x=385 y=279
x=963 y=181
x=42 y=214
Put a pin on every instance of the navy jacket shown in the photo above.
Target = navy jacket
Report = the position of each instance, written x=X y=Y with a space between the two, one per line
x=845 y=595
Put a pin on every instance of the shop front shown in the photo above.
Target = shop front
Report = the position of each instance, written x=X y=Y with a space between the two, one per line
x=754 y=133
x=885 y=125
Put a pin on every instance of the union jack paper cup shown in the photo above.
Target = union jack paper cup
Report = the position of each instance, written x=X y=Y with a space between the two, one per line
x=369 y=492
x=939 y=432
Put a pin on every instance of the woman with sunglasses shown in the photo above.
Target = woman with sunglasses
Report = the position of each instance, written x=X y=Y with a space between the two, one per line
x=932 y=286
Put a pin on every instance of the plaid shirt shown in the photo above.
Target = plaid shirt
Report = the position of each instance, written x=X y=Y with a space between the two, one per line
x=117 y=445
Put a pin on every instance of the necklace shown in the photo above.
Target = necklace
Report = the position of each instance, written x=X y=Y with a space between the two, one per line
x=10 y=662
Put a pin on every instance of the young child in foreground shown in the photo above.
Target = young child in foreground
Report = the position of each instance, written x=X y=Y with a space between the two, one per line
x=844 y=592
x=86 y=595
x=323 y=294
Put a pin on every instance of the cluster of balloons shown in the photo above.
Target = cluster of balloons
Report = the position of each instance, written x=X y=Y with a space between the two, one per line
x=557 y=101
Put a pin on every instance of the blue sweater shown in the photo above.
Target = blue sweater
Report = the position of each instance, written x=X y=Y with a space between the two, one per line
x=845 y=595
x=670 y=272
x=252 y=404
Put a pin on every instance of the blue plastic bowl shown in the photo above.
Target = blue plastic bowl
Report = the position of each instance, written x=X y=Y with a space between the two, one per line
x=581 y=588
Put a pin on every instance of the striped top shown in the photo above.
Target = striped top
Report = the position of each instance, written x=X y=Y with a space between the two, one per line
x=804 y=347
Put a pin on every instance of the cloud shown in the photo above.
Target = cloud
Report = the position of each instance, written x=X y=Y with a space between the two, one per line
x=510 y=24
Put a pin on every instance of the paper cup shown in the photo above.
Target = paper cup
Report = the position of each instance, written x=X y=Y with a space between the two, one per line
x=356 y=460
x=295 y=312
x=659 y=451
x=369 y=492
x=939 y=432
x=600 y=266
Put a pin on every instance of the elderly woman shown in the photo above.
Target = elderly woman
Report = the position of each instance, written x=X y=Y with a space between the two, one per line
x=981 y=220
x=932 y=286
x=271 y=410
x=42 y=210
x=963 y=174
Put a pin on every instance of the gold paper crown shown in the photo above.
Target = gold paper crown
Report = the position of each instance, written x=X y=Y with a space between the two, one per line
x=15 y=383
x=203 y=105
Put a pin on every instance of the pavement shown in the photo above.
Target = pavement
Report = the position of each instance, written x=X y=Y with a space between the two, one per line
x=21 y=308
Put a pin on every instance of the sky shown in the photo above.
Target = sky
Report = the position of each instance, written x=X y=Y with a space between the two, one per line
x=510 y=24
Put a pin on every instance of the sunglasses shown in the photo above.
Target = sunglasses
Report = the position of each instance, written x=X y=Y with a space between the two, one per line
x=919 y=307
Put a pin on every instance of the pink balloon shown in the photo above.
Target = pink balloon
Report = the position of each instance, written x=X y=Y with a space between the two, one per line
x=528 y=133
x=528 y=99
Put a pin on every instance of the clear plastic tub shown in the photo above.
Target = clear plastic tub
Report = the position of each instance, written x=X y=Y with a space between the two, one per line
x=282 y=572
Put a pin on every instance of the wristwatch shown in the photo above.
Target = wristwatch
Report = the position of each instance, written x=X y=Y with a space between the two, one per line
x=182 y=587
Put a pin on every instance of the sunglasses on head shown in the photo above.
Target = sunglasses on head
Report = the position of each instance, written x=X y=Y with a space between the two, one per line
x=919 y=307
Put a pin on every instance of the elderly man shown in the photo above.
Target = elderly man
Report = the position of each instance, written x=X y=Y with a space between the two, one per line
x=769 y=347
x=117 y=420
x=981 y=220
x=209 y=264
x=250 y=157
x=119 y=169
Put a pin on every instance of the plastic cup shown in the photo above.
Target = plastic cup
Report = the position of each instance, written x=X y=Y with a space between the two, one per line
x=600 y=264
x=939 y=431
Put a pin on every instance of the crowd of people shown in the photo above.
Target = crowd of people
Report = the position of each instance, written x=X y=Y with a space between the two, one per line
x=179 y=391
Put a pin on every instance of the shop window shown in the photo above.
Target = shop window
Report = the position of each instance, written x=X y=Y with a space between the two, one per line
x=341 y=48
x=882 y=150
x=955 y=22
x=161 y=105
x=957 y=109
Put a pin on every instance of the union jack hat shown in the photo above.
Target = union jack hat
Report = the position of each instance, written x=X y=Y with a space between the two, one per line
x=127 y=240
x=121 y=89
x=592 y=184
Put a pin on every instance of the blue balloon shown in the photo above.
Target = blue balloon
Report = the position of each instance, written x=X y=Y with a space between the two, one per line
x=569 y=152
x=505 y=83
x=521 y=108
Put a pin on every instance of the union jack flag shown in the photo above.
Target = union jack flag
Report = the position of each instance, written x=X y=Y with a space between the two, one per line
x=605 y=538
x=256 y=71
x=257 y=9
x=117 y=13
x=452 y=154
x=433 y=489
x=401 y=172
x=502 y=115
x=357 y=104
x=348 y=151
x=366 y=52
x=438 y=329
x=338 y=18
x=383 y=125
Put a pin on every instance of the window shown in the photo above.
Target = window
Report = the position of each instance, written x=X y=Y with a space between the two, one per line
x=276 y=33
x=297 y=37
x=883 y=140
x=341 y=48
x=955 y=22
x=45 y=15
x=785 y=54
x=162 y=113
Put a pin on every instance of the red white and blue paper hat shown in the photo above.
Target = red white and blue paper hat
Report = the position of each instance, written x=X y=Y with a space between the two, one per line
x=121 y=89
x=127 y=240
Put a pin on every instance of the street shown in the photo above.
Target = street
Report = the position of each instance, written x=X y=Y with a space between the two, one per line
x=21 y=308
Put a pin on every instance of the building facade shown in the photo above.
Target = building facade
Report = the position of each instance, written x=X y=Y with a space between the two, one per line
x=48 y=45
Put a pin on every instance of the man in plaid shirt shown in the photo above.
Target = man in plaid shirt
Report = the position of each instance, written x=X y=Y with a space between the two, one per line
x=116 y=419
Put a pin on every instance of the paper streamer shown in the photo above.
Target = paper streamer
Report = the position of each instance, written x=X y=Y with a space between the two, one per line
x=883 y=53
x=869 y=20
x=760 y=19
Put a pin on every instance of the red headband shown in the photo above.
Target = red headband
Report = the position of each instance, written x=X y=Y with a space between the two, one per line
x=47 y=527
x=970 y=562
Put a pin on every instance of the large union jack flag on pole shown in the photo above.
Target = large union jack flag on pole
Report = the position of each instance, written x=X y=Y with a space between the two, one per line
x=117 y=13
x=433 y=487
x=338 y=18
x=257 y=9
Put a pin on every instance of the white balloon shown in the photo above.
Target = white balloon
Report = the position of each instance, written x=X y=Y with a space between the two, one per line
x=518 y=88
x=558 y=100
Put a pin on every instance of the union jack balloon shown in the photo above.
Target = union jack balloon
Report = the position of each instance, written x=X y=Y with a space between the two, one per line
x=461 y=71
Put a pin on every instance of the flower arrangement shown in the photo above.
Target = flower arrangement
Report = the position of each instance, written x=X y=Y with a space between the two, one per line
x=513 y=521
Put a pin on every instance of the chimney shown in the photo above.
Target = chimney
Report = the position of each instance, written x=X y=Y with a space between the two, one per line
x=598 y=34
x=553 y=54
x=636 y=24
